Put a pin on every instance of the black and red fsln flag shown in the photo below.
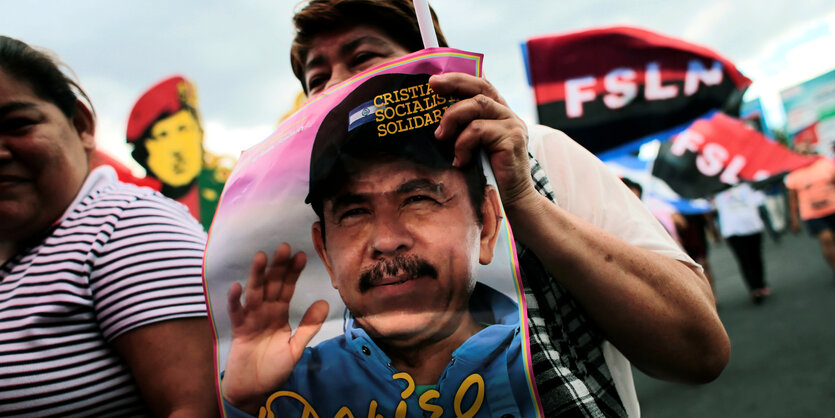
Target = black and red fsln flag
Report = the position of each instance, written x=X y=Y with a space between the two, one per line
x=719 y=151
x=609 y=87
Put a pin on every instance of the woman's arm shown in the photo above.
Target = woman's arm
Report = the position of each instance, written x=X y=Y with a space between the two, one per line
x=172 y=364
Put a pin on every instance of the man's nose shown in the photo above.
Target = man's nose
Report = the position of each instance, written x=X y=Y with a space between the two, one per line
x=390 y=236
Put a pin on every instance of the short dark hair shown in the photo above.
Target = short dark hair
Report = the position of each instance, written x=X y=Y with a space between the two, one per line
x=396 y=18
x=41 y=71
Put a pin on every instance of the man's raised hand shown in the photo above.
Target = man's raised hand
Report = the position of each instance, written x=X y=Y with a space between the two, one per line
x=264 y=349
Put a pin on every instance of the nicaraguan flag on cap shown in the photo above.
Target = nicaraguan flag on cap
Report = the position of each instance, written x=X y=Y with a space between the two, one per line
x=361 y=115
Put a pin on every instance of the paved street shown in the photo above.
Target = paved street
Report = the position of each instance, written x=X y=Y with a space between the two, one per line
x=783 y=351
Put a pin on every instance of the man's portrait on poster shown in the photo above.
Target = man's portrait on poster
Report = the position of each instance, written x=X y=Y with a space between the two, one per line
x=401 y=233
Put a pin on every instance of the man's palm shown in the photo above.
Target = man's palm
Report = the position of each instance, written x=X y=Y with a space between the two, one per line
x=264 y=349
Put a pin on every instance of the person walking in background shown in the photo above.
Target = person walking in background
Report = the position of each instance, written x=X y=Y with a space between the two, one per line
x=812 y=197
x=741 y=227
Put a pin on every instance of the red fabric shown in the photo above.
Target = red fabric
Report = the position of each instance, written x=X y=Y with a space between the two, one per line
x=720 y=151
x=611 y=88
x=763 y=157
x=808 y=135
x=556 y=58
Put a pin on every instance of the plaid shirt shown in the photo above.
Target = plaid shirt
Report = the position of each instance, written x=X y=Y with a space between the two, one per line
x=571 y=374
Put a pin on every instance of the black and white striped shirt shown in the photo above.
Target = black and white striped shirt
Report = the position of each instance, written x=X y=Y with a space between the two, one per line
x=120 y=257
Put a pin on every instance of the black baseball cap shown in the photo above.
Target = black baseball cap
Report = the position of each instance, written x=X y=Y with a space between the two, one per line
x=387 y=115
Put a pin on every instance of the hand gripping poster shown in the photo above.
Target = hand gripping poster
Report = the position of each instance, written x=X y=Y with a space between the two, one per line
x=385 y=282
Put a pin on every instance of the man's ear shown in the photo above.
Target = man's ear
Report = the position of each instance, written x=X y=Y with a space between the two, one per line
x=85 y=125
x=317 y=233
x=491 y=215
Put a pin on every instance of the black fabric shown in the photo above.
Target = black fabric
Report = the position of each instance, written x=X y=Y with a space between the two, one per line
x=748 y=252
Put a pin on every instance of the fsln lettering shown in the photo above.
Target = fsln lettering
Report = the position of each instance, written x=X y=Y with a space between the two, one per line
x=620 y=85
x=713 y=158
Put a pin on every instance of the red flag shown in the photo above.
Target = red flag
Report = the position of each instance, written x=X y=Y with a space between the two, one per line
x=718 y=152
x=608 y=87
x=807 y=136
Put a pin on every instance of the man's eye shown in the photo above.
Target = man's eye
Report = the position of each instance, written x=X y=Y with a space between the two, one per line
x=419 y=199
x=352 y=213
x=17 y=126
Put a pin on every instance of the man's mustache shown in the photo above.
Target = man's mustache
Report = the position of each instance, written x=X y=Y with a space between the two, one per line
x=410 y=265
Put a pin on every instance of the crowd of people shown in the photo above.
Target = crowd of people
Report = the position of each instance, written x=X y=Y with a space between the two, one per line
x=102 y=306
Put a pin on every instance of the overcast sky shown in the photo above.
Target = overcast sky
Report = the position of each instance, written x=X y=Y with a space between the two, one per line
x=237 y=53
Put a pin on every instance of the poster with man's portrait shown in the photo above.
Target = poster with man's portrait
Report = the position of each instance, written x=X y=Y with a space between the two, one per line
x=423 y=311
